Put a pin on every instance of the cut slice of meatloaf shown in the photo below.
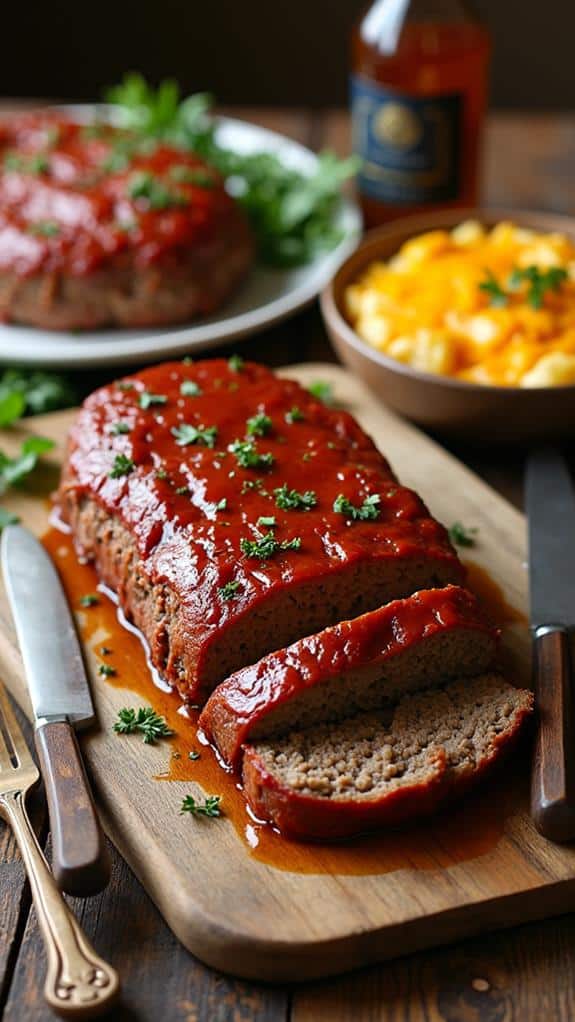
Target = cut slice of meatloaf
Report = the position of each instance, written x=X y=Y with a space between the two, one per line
x=378 y=769
x=419 y=642
x=233 y=513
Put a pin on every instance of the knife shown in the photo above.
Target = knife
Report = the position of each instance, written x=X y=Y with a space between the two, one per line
x=550 y=503
x=61 y=701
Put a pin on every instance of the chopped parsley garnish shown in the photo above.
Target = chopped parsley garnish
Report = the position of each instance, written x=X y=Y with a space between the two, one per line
x=323 y=391
x=89 y=600
x=147 y=400
x=210 y=807
x=291 y=500
x=229 y=590
x=266 y=546
x=258 y=425
x=117 y=428
x=253 y=484
x=143 y=185
x=182 y=491
x=539 y=281
x=146 y=721
x=34 y=164
x=106 y=670
x=461 y=535
x=491 y=287
x=236 y=363
x=366 y=512
x=192 y=176
x=44 y=228
x=122 y=467
x=161 y=473
x=14 y=470
x=248 y=456
x=267 y=521
x=187 y=434
x=189 y=388
x=222 y=504
x=294 y=415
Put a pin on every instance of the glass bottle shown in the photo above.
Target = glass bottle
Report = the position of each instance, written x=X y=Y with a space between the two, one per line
x=418 y=96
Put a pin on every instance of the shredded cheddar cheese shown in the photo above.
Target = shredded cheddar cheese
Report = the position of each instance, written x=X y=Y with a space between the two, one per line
x=493 y=307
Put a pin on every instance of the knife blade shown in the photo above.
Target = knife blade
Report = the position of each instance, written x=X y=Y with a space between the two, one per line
x=61 y=701
x=550 y=505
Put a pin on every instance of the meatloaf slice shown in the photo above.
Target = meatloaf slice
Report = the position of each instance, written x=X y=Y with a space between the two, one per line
x=234 y=513
x=362 y=664
x=377 y=769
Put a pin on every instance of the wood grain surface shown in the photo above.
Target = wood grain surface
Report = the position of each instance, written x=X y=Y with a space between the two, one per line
x=223 y=904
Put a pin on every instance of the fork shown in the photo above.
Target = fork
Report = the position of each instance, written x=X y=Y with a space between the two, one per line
x=78 y=983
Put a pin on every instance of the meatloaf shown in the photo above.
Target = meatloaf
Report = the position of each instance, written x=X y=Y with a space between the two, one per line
x=101 y=227
x=384 y=768
x=233 y=513
x=363 y=664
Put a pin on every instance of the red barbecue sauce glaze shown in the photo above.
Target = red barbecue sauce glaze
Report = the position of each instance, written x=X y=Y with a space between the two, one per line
x=66 y=202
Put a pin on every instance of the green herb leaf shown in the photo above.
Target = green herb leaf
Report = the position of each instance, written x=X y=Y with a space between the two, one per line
x=143 y=185
x=42 y=392
x=118 y=428
x=122 y=467
x=187 y=434
x=14 y=470
x=236 y=363
x=196 y=176
x=229 y=590
x=248 y=456
x=366 y=512
x=266 y=546
x=259 y=425
x=491 y=287
x=210 y=807
x=12 y=407
x=147 y=400
x=323 y=391
x=107 y=671
x=539 y=282
x=294 y=415
x=291 y=500
x=267 y=521
x=89 y=600
x=222 y=504
x=189 y=388
x=144 y=720
x=460 y=535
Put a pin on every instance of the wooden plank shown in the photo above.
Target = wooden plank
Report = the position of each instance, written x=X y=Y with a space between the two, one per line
x=225 y=905
x=528 y=974
x=159 y=978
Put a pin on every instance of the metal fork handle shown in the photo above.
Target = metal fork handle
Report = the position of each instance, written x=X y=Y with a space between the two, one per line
x=78 y=983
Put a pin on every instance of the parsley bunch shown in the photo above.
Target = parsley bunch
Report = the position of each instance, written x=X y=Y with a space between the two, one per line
x=144 y=720
x=293 y=215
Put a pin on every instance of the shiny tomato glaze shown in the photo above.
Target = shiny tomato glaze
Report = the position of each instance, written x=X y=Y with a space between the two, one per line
x=74 y=197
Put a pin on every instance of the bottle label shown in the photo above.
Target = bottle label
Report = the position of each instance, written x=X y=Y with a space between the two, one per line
x=410 y=146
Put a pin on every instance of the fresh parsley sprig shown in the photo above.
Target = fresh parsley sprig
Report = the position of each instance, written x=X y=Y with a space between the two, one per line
x=291 y=500
x=209 y=807
x=14 y=470
x=266 y=546
x=366 y=512
x=144 y=720
x=462 y=535
x=186 y=434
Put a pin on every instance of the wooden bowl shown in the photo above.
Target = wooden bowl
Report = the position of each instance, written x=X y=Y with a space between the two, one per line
x=449 y=406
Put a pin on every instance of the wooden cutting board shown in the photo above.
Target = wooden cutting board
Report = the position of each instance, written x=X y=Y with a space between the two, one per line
x=475 y=867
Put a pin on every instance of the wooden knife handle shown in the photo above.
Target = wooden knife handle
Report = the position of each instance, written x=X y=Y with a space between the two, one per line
x=553 y=777
x=80 y=862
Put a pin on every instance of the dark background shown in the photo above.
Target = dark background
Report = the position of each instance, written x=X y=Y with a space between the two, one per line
x=276 y=52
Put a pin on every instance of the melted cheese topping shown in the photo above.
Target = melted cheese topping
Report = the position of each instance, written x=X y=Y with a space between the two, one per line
x=461 y=304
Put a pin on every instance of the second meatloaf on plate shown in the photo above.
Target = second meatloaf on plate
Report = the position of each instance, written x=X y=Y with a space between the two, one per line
x=233 y=513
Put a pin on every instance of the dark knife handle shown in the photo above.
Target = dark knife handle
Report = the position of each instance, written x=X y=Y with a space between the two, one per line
x=553 y=777
x=80 y=861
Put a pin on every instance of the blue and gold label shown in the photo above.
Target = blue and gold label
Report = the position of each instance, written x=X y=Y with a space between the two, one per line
x=410 y=147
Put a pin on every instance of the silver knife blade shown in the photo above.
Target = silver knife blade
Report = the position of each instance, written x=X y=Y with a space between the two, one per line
x=550 y=505
x=45 y=629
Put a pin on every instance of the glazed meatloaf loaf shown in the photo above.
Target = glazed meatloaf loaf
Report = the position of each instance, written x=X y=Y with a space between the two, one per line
x=363 y=664
x=99 y=227
x=384 y=768
x=233 y=513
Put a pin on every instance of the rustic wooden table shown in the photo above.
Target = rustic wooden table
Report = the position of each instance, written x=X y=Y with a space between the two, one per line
x=525 y=974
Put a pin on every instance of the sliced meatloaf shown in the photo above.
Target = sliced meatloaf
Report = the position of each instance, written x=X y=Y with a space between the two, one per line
x=356 y=665
x=234 y=513
x=384 y=768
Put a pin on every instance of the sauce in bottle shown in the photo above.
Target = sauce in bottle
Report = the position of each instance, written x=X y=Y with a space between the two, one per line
x=418 y=94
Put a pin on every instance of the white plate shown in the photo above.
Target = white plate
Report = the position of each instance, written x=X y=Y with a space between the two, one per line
x=266 y=297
